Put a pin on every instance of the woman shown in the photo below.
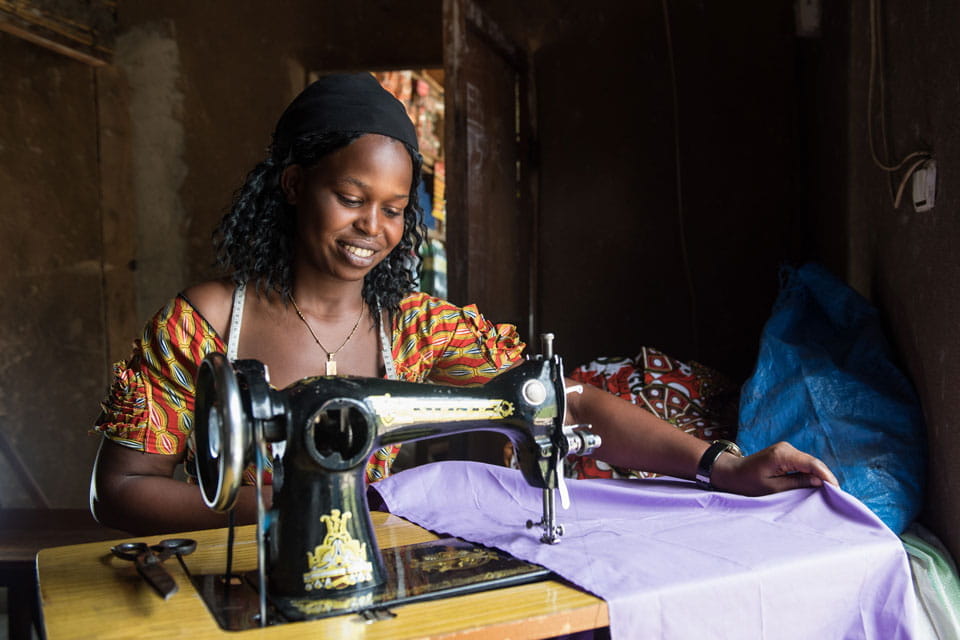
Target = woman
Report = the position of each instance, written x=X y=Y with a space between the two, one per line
x=318 y=244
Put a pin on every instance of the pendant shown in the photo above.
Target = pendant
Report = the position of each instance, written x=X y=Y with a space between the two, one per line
x=331 y=365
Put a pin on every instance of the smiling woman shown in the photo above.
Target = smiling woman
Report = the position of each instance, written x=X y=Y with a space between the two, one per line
x=325 y=234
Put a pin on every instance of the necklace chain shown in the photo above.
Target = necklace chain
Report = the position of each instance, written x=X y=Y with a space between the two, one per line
x=331 y=369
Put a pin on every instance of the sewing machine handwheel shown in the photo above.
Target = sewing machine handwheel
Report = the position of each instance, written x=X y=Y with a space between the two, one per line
x=222 y=432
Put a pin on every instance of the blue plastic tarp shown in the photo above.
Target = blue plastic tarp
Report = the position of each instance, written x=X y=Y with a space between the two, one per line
x=826 y=382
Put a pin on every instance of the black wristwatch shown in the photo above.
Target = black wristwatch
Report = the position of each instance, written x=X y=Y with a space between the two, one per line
x=705 y=468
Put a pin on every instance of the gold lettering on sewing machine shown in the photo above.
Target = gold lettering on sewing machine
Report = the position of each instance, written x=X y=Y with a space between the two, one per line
x=340 y=561
x=326 y=605
x=454 y=560
x=395 y=411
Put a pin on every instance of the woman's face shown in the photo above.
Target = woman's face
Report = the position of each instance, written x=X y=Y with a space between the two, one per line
x=350 y=206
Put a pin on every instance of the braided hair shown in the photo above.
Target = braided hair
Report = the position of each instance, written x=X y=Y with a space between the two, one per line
x=254 y=240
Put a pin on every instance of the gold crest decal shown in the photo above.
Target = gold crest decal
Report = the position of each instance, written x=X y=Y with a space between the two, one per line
x=339 y=562
x=396 y=411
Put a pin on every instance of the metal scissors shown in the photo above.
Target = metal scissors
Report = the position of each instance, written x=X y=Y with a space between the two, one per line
x=148 y=559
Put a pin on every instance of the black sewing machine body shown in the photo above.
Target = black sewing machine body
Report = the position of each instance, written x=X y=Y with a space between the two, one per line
x=318 y=546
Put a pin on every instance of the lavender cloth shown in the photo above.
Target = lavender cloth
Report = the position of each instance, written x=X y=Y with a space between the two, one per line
x=674 y=561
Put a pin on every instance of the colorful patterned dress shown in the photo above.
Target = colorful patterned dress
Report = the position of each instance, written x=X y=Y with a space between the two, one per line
x=151 y=400
x=691 y=397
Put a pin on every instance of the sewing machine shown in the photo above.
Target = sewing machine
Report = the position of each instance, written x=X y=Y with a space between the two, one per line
x=317 y=554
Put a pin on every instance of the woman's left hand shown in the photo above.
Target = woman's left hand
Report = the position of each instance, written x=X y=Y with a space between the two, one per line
x=779 y=467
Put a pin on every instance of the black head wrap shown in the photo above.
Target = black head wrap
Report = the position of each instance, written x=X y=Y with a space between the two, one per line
x=344 y=102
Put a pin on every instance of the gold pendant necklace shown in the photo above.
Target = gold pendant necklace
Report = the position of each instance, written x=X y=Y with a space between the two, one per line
x=331 y=369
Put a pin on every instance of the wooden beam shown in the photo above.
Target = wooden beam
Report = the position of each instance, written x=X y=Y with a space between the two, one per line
x=86 y=35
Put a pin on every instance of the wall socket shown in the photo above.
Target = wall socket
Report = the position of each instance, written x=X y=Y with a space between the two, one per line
x=925 y=186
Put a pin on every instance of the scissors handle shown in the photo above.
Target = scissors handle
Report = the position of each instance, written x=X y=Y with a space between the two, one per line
x=129 y=550
x=162 y=550
x=148 y=560
x=174 y=547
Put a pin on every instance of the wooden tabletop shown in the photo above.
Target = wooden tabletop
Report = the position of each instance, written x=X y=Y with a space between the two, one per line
x=85 y=592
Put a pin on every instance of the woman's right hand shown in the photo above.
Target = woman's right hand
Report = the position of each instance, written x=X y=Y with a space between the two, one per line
x=779 y=467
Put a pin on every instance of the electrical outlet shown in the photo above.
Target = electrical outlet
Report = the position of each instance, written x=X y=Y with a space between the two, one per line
x=925 y=186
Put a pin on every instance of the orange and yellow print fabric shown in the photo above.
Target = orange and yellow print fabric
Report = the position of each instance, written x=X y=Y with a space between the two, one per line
x=150 y=404
x=438 y=342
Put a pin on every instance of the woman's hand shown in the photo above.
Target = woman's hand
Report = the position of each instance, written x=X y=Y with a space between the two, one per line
x=634 y=438
x=779 y=467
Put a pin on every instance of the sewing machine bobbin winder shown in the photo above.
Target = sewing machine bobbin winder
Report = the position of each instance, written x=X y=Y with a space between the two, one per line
x=317 y=554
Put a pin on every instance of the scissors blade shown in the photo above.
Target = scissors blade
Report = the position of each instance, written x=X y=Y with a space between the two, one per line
x=156 y=576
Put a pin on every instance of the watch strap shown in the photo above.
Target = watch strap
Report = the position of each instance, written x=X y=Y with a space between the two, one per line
x=709 y=457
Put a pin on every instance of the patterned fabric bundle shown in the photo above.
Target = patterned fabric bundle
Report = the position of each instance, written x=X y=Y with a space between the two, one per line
x=692 y=397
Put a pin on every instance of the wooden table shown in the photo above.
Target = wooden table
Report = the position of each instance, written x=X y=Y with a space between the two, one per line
x=85 y=592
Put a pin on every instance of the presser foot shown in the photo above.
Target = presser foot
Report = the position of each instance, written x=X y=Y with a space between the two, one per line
x=552 y=531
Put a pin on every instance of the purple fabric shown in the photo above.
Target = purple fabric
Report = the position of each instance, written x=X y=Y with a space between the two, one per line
x=674 y=561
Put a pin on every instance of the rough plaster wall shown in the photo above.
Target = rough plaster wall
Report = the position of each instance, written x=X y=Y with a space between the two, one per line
x=911 y=258
x=149 y=57
x=238 y=65
x=51 y=324
x=118 y=212
x=235 y=87
x=904 y=261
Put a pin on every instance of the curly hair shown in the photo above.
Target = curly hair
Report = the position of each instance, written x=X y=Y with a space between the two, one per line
x=254 y=240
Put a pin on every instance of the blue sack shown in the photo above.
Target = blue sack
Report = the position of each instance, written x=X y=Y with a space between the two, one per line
x=826 y=383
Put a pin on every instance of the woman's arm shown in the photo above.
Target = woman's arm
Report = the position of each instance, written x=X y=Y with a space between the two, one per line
x=636 y=439
x=136 y=492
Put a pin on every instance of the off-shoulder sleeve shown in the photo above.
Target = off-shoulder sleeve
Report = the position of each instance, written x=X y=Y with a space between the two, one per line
x=440 y=342
x=150 y=403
